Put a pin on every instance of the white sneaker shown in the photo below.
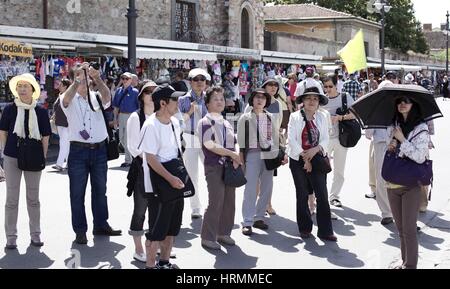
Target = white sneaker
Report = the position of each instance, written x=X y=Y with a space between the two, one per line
x=140 y=257
x=227 y=240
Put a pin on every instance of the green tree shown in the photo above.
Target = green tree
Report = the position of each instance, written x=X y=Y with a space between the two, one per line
x=403 y=31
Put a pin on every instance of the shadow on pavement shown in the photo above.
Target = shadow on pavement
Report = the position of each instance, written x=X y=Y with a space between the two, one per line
x=358 y=218
x=429 y=242
x=102 y=255
x=233 y=258
x=34 y=258
x=333 y=253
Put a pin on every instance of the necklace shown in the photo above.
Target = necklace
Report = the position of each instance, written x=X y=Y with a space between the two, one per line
x=83 y=104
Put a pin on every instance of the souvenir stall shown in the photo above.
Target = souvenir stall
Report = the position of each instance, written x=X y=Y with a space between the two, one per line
x=14 y=60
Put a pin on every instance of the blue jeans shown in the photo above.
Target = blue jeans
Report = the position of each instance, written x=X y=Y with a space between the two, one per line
x=84 y=162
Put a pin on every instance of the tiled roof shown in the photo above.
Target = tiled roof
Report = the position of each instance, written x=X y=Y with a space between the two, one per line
x=299 y=11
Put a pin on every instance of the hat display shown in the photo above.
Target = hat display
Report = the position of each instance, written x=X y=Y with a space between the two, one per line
x=28 y=78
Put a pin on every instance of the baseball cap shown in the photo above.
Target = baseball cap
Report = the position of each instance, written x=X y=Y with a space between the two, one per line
x=165 y=92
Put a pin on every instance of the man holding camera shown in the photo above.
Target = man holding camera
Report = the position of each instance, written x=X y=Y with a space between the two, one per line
x=88 y=153
x=125 y=102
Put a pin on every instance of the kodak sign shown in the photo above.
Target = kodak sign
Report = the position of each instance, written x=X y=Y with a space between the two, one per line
x=13 y=48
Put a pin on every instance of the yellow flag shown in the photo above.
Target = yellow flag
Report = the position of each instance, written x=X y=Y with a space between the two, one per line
x=354 y=54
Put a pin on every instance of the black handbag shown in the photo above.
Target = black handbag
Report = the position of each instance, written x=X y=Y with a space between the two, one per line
x=112 y=143
x=272 y=164
x=30 y=155
x=162 y=188
x=233 y=177
x=320 y=163
x=349 y=130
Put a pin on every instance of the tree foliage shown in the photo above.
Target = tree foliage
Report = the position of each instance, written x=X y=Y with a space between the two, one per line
x=403 y=31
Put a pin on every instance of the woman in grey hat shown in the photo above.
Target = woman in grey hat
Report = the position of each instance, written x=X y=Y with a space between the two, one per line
x=308 y=135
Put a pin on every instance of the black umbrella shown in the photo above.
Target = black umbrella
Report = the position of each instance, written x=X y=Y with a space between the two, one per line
x=377 y=109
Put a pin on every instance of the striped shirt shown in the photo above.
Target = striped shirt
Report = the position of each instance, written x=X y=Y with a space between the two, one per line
x=184 y=105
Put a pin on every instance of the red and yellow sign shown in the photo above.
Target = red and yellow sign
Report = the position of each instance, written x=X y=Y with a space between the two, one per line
x=13 y=48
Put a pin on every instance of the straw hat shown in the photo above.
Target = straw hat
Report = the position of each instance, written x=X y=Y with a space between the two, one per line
x=28 y=78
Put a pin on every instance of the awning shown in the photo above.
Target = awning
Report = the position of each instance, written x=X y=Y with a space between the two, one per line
x=156 y=53
x=404 y=67
x=329 y=67
x=290 y=60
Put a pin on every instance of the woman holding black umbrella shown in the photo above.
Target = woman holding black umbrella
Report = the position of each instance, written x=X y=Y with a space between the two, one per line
x=411 y=136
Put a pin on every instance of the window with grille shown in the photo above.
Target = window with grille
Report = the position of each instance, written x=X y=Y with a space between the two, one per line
x=185 y=22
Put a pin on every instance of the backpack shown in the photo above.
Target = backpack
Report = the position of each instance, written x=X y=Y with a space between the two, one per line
x=349 y=130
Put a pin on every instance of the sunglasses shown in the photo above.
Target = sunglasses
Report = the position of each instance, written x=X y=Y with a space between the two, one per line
x=272 y=84
x=404 y=99
x=125 y=78
x=197 y=79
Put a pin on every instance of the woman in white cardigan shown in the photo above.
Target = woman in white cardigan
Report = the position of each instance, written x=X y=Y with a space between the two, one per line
x=301 y=149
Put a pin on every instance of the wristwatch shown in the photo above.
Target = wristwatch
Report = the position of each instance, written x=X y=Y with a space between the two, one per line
x=77 y=81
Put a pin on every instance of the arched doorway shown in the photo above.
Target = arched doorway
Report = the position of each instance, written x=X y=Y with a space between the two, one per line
x=245 y=29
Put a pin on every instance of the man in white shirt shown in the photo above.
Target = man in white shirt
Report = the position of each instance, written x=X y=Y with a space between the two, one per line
x=308 y=82
x=161 y=143
x=88 y=153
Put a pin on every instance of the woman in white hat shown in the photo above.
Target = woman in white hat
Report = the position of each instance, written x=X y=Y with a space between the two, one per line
x=23 y=119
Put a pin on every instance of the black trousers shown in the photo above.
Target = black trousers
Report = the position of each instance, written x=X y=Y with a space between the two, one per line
x=303 y=183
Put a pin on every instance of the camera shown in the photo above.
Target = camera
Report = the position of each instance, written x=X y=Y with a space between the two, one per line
x=95 y=65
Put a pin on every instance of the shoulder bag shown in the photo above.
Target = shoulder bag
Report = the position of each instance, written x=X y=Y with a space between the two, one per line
x=112 y=142
x=162 y=188
x=349 y=130
x=232 y=177
x=404 y=171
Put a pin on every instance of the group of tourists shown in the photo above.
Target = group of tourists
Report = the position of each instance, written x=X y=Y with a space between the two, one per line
x=297 y=124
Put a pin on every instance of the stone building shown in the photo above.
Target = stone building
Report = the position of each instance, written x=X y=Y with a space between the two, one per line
x=236 y=23
x=311 y=29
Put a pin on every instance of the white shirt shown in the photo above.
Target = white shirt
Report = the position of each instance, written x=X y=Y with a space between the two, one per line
x=80 y=117
x=134 y=134
x=134 y=138
x=295 y=129
x=158 y=139
x=339 y=85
